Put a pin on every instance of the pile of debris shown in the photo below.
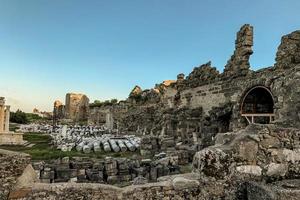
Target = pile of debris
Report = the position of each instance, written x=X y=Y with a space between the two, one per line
x=36 y=128
x=261 y=152
x=89 y=138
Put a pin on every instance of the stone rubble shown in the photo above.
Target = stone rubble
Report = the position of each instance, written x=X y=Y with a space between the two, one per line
x=110 y=170
x=87 y=138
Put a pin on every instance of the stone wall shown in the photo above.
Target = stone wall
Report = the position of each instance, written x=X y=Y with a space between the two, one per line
x=97 y=116
x=162 y=190
x=212 y=94
x=187 y=186
x=206 y=89
x=58 y=110
x=12 y=165
x=208 y=102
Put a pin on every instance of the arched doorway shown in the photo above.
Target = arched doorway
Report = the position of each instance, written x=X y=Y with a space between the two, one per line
x=258 y=105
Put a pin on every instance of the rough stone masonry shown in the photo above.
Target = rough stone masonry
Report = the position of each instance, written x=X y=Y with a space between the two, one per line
x=75 y=108
x=247 y=121
x=207 y=102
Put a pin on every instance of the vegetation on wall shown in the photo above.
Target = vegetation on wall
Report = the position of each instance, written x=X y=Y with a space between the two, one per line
x=98 y=103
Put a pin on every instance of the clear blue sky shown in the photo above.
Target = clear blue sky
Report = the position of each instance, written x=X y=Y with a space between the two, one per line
x=104 y=48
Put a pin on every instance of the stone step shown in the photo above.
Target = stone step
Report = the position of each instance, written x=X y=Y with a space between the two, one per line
x=28 y=144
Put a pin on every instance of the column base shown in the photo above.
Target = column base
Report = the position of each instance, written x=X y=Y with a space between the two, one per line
x=11 y=138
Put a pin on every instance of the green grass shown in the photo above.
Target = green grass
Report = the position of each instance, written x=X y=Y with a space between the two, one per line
x=42 y=150
x=13 y=126
x=37 y=138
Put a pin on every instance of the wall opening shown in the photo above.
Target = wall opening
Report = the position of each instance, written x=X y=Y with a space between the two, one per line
x=224 y=122
x=258 y=105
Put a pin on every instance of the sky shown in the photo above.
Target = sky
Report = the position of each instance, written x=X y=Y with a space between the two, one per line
x=103 y=48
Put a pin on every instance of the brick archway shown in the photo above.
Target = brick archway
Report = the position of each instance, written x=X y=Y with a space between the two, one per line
x=257 y=105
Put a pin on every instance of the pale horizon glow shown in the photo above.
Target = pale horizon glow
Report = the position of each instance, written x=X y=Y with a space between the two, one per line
x=104 y=48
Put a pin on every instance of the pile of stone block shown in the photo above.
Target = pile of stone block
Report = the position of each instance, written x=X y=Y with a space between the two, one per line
x=167 y=143
x=111 y=169
x=149 y=145
x=124 y=170
x=47 y=175
x=96 y=174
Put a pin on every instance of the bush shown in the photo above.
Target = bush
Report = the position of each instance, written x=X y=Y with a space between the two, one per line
x=33 y=117
x=23 y=118
x=114 y=101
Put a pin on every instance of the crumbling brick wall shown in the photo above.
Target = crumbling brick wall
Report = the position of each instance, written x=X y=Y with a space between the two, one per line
x=208 y=90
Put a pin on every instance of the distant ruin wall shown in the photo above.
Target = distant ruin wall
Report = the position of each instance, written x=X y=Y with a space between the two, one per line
x=58 y=110
x=76 y=107
x=97 y=116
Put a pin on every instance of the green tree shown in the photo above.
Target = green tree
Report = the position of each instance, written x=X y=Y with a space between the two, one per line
x=114 y=101
x=19 y=117
x=97 y=103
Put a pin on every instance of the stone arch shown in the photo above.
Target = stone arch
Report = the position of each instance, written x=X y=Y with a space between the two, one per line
x=257 y=105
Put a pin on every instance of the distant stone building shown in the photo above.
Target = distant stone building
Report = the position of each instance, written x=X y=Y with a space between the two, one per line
x=76 y=108
x=58 y=110
x=42 y=114
x=105 y=114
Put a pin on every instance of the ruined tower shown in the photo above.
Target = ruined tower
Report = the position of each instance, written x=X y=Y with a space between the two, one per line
x=76 y=107
x=239 y=64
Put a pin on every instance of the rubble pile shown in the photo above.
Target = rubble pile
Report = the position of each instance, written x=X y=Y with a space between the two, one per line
x=149 y=145
x=261 y=152
x=90 y=138
x=36 y=128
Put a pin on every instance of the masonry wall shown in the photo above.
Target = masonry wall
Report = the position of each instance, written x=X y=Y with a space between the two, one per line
x=76 y=107
x=208 y=102
x=207 y=96
x=12 y=165
x=161 y=190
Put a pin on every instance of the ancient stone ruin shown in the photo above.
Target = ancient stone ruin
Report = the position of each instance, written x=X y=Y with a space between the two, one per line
x=58 y=110
x=7 y=136
x=208 y=102
x=240 y=129
x=75 y=108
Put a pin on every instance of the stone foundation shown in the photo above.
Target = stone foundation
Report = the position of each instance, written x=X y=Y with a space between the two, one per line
x=11 y=138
